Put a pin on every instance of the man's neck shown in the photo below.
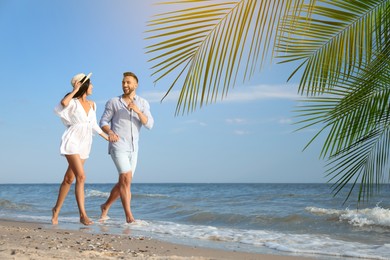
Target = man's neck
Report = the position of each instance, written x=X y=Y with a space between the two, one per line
x=129 y=96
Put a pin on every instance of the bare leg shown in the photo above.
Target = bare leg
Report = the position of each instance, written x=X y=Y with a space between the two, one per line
x=63 y=192
x=77 y=166
x=114 y=195
x=125 y=194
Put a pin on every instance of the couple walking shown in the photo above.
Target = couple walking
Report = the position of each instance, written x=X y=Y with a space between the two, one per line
x=120 y=124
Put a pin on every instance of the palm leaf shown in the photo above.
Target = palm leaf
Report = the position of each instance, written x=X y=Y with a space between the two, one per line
x=343 y=49
x=356 y=116
x=209 y=42
x=337 y=38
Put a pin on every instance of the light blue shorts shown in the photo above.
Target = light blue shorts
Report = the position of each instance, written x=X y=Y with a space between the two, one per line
x=125 y=161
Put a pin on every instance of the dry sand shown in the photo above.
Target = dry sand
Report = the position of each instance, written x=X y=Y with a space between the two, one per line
x=23 y=240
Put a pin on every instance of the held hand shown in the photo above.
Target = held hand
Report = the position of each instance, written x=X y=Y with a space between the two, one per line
x=112 y=137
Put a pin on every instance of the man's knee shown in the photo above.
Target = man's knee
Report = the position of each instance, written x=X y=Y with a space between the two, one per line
x=125 y=178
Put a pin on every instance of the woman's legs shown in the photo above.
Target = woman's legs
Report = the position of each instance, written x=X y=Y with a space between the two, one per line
x=77 y=166
x=63 y=192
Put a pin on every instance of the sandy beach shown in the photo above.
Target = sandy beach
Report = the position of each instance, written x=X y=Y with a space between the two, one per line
x=24 y=240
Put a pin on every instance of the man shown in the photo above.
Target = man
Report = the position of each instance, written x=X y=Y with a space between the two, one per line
x=122 y=120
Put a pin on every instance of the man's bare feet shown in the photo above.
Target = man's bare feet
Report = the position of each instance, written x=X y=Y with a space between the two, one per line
x=85 y=221
x=54 y=217
x=104 y=210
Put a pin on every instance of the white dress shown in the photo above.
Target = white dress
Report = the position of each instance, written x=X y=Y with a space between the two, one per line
x=77 y=138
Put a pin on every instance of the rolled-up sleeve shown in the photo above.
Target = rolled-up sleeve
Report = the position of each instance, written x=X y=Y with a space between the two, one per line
x=107 y=114
x=148 y=114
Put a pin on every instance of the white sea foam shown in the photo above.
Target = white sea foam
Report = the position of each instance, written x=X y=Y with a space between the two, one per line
x=100 y=194
x=152 y=195
x=321 y=211
x=375 y=216
x=292 y=243
x=362 y=217
x=96 y=193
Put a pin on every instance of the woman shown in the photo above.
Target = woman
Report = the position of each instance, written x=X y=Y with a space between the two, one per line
x=79 y=116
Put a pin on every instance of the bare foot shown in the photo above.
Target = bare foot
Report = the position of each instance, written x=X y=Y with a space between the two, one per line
x=54 y=217
x=85 y=221
x=130 y=219
x=104 y=210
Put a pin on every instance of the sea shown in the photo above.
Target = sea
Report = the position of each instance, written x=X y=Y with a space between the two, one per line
x=268 y=218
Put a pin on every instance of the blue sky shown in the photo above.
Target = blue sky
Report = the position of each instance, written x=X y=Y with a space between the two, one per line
x=249 y=137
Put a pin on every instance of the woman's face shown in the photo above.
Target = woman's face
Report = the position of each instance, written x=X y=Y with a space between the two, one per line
x=89 y=90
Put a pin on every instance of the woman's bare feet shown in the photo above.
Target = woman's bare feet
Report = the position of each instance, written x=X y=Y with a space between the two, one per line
x=104 y=210
x=130 y=219
x=85 y=221
x=54 y=217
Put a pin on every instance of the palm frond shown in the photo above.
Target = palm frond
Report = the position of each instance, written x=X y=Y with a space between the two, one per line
x=333 y=38
x=344 y=50
x=211 y=42
x=356 y=116
x=366 y=164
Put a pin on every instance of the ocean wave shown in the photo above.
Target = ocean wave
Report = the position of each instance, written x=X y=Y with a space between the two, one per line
x=103 y=194
x=199 y=216
x=96 y=193
x=151 y=195
x=376 y=216
x=322 y=211
x=303 y=244
x=7 y=204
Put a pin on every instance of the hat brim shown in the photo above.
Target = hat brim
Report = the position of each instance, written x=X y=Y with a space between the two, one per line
x=87 y=77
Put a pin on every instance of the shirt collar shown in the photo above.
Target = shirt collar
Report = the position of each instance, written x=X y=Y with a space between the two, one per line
x=135 y=97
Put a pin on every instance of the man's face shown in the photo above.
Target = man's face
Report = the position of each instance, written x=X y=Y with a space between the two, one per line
x=129 y=84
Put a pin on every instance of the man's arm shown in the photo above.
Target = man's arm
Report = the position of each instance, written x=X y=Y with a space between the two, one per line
x=145 y=117
x=105 y=122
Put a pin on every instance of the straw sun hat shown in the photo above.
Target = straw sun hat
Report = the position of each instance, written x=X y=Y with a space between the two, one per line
x=79 y=77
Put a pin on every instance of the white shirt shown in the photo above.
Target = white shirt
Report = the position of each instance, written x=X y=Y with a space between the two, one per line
x=77 y=138
x=125 y=123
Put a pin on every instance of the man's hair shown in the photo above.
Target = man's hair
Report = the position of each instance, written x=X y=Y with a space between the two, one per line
x=130 y=74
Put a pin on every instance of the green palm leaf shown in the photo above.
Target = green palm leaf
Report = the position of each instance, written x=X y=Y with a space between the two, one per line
x=338 y=37
x=343 y=49
x=355 y=114
x=210 y=42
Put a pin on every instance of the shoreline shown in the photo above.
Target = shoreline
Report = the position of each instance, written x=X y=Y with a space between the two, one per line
x=30 y=240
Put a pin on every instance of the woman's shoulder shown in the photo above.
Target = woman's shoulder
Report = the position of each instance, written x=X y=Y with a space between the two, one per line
x=92 y=104
x=72 y=102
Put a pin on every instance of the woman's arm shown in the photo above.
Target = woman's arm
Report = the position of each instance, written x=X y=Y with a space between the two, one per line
x=103 y=134
x=65 y=101
x=95 y=126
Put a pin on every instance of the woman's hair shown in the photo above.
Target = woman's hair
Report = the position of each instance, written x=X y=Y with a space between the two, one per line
x=83 y=88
